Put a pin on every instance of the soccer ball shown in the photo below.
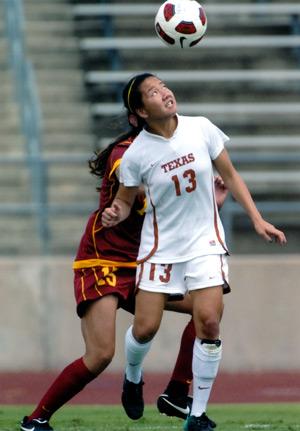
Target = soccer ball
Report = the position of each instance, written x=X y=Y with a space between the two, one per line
x=180 y=23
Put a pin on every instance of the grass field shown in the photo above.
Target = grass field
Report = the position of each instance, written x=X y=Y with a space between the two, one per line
x=233 y=417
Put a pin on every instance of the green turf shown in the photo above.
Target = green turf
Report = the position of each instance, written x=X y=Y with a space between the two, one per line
x=233 y=417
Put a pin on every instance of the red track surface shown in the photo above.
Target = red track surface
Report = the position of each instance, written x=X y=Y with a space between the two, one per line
x=28 y=388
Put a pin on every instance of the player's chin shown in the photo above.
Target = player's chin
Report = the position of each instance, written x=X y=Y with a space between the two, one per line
x=172 y=109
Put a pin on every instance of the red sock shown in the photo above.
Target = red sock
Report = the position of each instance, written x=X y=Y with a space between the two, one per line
x=70 y=381
x=183 y=368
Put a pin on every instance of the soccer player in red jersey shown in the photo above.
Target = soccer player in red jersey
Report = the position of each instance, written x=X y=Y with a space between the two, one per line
x=104 y=280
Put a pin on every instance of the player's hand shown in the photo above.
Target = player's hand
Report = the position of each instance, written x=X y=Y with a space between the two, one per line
x=269 y=232
x=111 y=216
x=221 y=191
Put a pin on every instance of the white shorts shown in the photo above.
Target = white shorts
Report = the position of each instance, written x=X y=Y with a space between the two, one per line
x=179 y=278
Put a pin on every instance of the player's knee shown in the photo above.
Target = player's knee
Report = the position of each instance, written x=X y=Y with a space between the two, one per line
x=145 y=333
x=210 y=327
x=106 y=357
x=100 y=358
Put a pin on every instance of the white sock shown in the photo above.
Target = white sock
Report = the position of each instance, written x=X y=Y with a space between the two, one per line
x=206 y=360
x=135 y=353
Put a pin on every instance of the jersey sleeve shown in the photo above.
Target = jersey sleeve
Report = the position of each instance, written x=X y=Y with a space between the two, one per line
x=215 y=139
x=130 y=170
x=115 y=158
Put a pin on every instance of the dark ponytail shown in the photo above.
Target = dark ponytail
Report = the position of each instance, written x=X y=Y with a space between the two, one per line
x=132 y=99
x=98 y=163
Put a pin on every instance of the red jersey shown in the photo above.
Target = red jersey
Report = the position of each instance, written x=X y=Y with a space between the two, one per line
x=118 y=245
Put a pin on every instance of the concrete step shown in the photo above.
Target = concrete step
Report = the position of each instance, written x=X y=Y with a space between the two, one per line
x=69 y=194
x=10 y=195
x=18 y=235
x=67 y=110
x=66 y=232
x=217 y=27
x=67 y=78
x=63 y=191
x=3 y=49
x=9 y=125
x=7 y=79
x=52 y=28
x=60 y=43
x=8 y=93
x=56 y=3
x=212 y=2
x=65 y=125
x=14 y=173
x=232 y=92
x=236 y=126
x=36 y=10
x=8 y=110
x=62 y=85
x=69 y=143
x=55 y=60
x=58 y=93
x=206 y=59
x=12 y=144
x=15 y=189
x=60 y=174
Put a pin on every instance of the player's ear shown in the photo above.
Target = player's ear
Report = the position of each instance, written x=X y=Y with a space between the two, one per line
x=141 y=112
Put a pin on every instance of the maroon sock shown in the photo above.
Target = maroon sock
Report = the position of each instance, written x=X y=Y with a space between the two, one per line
x=182 y=374
x=70 y=381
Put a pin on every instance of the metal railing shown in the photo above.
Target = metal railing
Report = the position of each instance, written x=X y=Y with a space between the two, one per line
x=30 y=113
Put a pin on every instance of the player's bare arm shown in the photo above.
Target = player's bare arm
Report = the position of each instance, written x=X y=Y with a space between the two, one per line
x=120 y=207
x=240 y=192
x=221 y=191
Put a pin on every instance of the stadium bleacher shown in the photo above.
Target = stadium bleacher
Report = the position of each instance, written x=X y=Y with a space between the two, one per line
x=41 y=179
x=244 y=76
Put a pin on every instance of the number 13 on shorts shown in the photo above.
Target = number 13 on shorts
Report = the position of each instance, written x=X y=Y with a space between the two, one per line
x=160 y=271
x=156 y=277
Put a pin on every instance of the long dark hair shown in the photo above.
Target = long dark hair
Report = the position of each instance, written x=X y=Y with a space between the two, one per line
x=98 y=162
x=132 y=100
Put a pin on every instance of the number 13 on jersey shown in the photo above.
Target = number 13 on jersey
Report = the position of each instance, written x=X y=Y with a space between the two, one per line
x=189 y=183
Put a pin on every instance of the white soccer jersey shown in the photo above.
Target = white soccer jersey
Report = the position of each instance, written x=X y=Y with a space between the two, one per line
x=182 y=219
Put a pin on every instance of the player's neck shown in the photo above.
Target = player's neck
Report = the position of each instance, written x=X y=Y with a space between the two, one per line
x=165 y=128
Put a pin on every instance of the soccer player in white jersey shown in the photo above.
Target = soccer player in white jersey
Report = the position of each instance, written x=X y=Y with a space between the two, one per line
x=182 y=248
